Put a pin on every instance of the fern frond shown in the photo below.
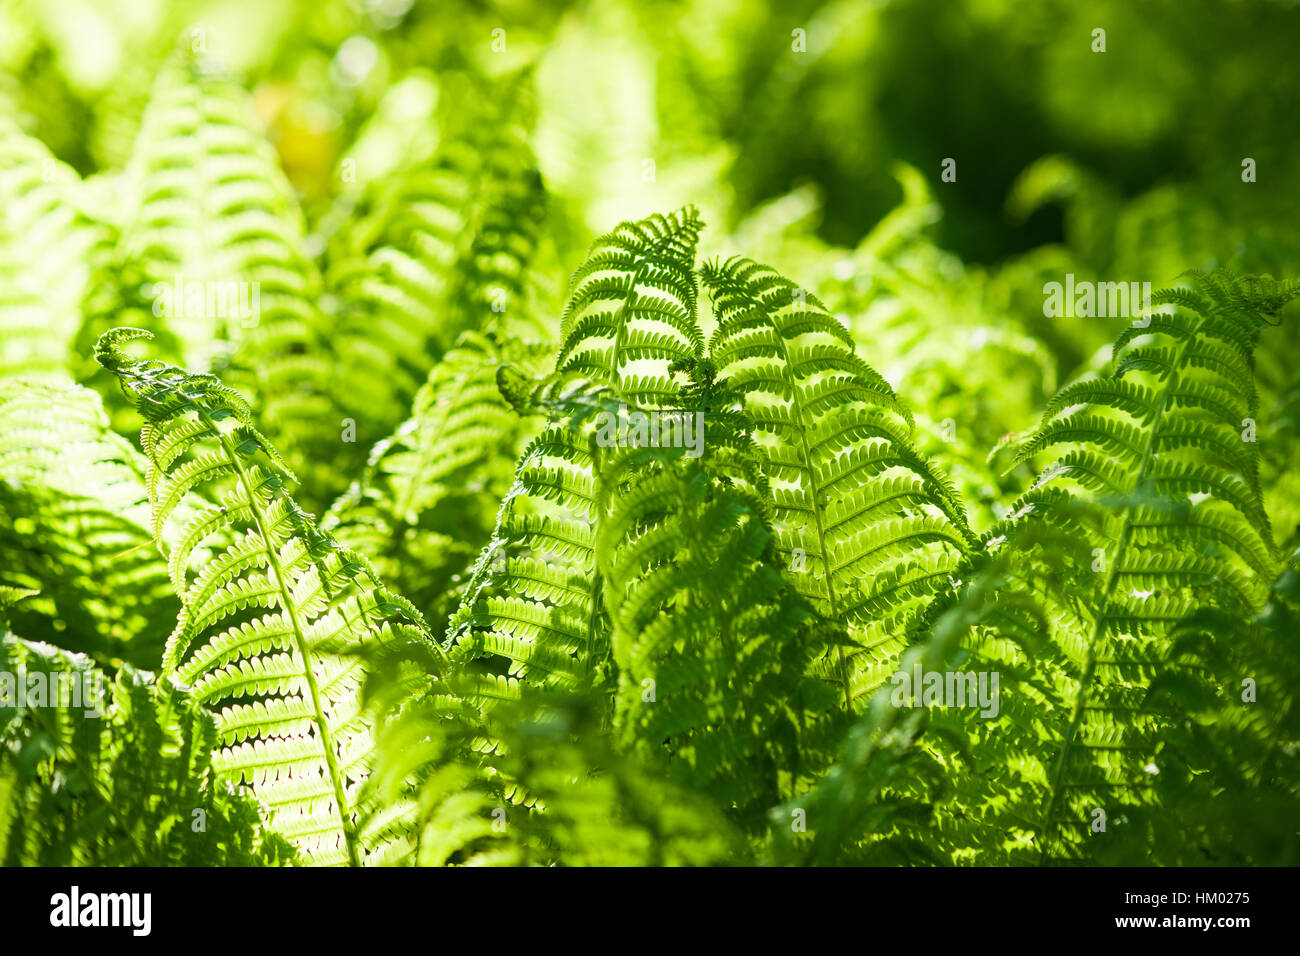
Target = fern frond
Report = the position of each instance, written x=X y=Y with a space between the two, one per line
x=1157 y=474
x=212 y=254
x=100 y=772
x=1225 y=773
x=534 y=599
x=427 y=501
x=632 y=309
x=446 y=249
x=714 y=651
x=951 y=770
x=264 y=621
x=868 y=528
x=46 y=246
x=556 y=793
x=76 y=526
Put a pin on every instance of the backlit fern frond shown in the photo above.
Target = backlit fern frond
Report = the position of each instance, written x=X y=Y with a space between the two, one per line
x=207 y=209
x=46 y=242
x=212 y=254
x=1226 y=770
x=427 y=502
x=632 y=309
x=1157 y=471
x=868 y=528
x=940 y=782
x=76 y=527
x=445 y=250
x=533 y=608
x=265 y=619
x=714 y=651
x=100 y=772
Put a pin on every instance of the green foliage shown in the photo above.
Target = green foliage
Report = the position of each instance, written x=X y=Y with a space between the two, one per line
x=723 y=542
x=45 y=239
x=427 y=500
x=76 y=521
x=871 y=529
x=268 y=603
x=124 y=778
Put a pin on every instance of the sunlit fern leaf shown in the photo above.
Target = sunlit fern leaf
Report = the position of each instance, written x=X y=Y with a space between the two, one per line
x=75 y=525
x=531 y=600
x=100 y=772
x=264 y=621
x=212 y=252
x=925 y=783
x=207 y=209
x=445 y=250
x=714 y=651
x=632 y=309
x=427 y=501
x=533 y=608
x=46 y=241
x=867 y=527
x=1226 y=773
x=1155 y=473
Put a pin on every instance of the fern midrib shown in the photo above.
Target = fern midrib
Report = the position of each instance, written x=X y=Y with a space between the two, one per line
x=300 y=639
x=1112 y=578
x=815 y=496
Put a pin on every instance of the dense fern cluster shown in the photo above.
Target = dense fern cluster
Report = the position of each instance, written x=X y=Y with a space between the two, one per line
x=403 y=558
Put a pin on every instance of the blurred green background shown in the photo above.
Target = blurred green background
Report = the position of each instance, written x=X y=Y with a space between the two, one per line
x=739 y=103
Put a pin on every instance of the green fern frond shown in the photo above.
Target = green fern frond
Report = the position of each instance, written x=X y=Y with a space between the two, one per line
x=632 y=309
x=869 y=529
x=1155 y=472
x=212 y=255
x=96 y=772
x=206 y=207
x=46 y=246
x=556 y=793
x=940 y=783
x=446 y=249
x=75 y=525
x=427 y=501
x=1226 y=769
x=714 y=651
x=533 y=604
x=264 y=619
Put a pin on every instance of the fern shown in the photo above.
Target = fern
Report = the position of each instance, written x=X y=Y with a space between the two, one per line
x=1159 y=439
x=211 y=253
x=1227 y=762
x=534 y=599
x=46 y=240
x=122 y=776
x=264 y=619
x=560 y=795
x=74 y=525
x=427 y=500
x=444 y=250
x=714 y=651
x=868 y=528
